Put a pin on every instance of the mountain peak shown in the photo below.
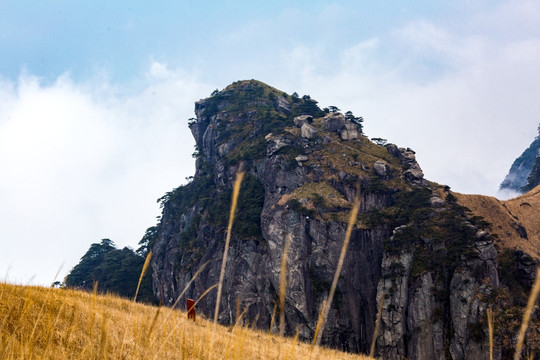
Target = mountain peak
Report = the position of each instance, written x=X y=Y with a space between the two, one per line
x=413 y=244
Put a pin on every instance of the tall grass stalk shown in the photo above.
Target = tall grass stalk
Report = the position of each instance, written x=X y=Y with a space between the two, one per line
x=143 y=271
x=204 y=294
x=283 y=284
x=490 y=330
x=293 y=346
x=171 y=309
x=239 y=317
x=527 y=315
x=188 y=284
x=377 y=324
x=144 y=268
x=103 y=338
x=93 y=314
x=176 y=324
x=148 y=336
x=272 y=319
x=352 y=221
x=236 y=191
x=319 y=322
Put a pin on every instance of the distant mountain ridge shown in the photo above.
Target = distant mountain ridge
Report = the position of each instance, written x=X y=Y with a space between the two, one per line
x=524 y=173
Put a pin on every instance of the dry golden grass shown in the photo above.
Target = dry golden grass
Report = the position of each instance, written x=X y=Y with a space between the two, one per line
x=522 y=210
x=331 y=196
x=45 y=323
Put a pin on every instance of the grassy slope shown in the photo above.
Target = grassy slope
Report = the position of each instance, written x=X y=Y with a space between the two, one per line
x=505 y=215
x=44 y=323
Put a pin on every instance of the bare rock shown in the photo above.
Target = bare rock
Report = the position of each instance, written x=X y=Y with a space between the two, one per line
x=282 y=104
x=307 y=131
x=436 y=202
x=381 y=168
x=393 y=150
x=225 y=148
x=412 y=172
x=300 y=159
x=334 y=121
x=274 y=143
x=349 y=131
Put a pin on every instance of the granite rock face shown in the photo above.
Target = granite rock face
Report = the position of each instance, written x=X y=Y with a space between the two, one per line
x=433 y=270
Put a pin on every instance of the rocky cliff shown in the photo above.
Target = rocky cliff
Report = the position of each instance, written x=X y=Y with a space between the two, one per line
x=429 y=258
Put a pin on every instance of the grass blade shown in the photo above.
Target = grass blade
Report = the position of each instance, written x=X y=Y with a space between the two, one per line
x=144 y=268
x=234 y=201
x=377 y=324
x=527 y=315
x=490 y=330
x=283 y=285
x=352 y=221
x=236 y=191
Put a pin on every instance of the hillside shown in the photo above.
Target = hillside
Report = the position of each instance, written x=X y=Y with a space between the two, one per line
x=516 y=222
x=44 y=323
x=435 y=266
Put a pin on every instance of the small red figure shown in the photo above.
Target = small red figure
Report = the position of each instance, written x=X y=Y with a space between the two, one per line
x=191 y=309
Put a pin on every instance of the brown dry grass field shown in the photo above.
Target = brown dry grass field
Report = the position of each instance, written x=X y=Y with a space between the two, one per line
x=46 y=323
x=508 y=215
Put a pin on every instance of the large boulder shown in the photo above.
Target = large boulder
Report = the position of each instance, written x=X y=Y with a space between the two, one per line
x=307 y=131
x=349 y=131
x=302 y=119
x=381 y=168
x=334 y=122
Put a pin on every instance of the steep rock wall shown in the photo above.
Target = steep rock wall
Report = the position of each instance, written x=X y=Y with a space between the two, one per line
x=413 y=245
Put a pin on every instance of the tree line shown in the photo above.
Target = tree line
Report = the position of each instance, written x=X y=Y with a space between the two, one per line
x=114 y=270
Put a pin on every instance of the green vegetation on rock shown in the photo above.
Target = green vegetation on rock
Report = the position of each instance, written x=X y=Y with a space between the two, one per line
x=112 y=270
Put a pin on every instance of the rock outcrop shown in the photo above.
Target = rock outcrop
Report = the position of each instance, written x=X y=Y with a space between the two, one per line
x=414 y=248
x=349 y=131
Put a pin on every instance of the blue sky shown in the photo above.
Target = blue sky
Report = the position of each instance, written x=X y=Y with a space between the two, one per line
x=122 y=38
x=95 y=98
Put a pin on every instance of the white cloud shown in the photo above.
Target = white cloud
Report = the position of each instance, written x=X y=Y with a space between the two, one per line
x=79 y=163
x=83 y=161
x=467 y=104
